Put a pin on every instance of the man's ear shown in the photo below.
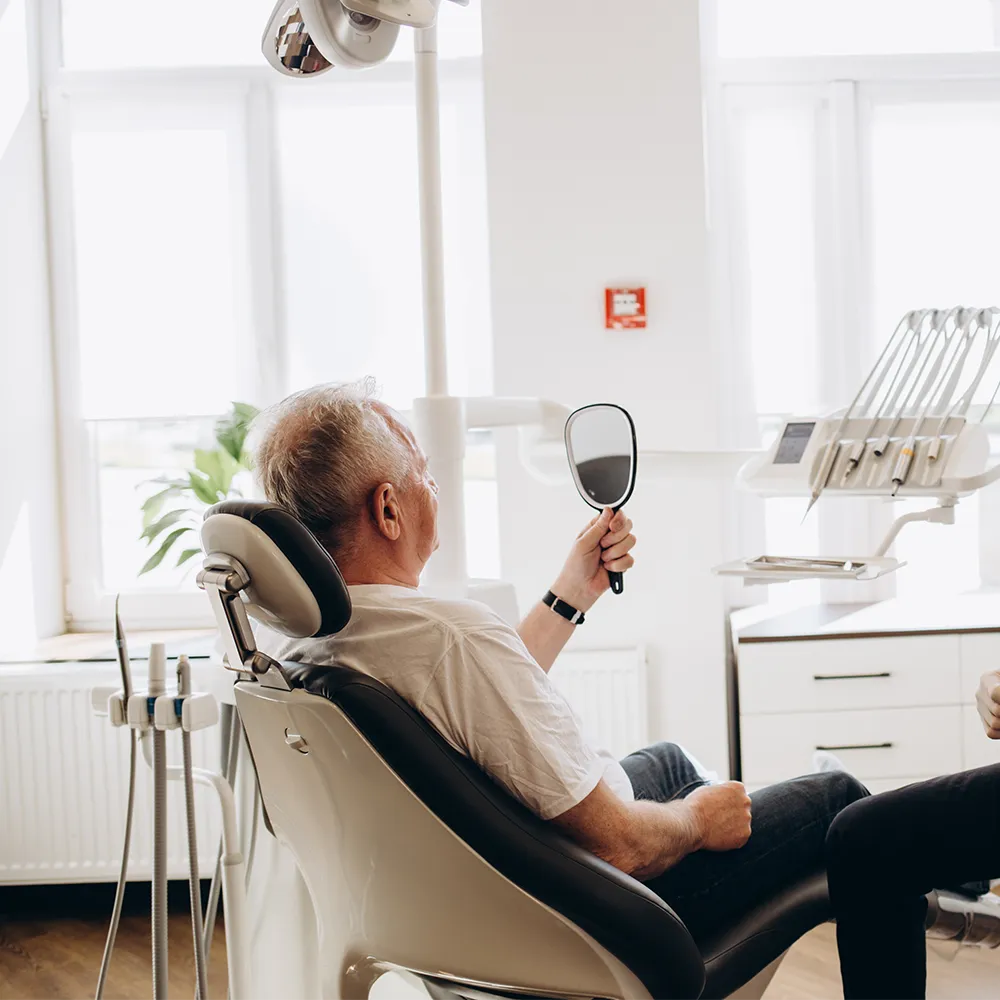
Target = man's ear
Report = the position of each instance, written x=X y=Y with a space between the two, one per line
x=385 y=511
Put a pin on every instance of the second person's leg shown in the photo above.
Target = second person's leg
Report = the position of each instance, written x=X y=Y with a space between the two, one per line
x=885 y=853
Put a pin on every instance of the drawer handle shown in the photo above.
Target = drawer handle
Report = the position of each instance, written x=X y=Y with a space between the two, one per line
x=858 y=746
x=849 y=677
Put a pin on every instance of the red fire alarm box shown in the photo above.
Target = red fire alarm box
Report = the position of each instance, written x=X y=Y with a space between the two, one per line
x=625 y=308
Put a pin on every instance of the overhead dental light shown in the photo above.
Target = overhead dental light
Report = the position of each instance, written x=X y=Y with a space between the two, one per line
x=309 y=37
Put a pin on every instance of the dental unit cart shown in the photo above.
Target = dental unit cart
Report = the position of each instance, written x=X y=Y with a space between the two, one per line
x=148 y=714
x=915 y=430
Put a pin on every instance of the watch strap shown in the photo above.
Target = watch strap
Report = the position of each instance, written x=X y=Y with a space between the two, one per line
x=560 y=607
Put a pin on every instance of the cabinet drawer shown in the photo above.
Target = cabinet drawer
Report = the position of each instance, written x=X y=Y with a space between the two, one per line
x=889 y=743
x=977 y=748
x=832 y=674
x=980 y=652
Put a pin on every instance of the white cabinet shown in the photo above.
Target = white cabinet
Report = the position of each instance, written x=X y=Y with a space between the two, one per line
x=896 y=707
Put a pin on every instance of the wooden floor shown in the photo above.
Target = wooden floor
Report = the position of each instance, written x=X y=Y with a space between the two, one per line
x=50 y=949
x=810 y=971
x=53 y=952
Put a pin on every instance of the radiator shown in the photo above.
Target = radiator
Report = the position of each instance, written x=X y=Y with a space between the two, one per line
x=64 y=783
x=607 y=690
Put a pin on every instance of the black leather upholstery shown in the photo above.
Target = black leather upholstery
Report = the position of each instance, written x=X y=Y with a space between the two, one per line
x=622 y=914
x=304 y=552
x=767 y=931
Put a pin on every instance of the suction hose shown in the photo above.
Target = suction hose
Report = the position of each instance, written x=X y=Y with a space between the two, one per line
x=194 y=880
x=232 y=763
x=157 y=686
x=116 y=911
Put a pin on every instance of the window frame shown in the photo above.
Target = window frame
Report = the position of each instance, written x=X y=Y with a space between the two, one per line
x=252 y=93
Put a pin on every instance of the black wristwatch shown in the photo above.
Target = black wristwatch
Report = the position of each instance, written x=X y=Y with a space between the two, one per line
x=560 y=607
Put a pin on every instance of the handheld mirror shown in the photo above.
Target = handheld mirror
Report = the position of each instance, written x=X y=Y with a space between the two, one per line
x=600 y=445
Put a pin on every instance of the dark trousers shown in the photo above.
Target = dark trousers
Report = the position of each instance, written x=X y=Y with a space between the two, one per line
x=709 y=890
x=885 y=853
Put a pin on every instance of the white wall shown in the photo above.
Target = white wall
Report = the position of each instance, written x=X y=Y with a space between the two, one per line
x=30 y=575
x=595 y=160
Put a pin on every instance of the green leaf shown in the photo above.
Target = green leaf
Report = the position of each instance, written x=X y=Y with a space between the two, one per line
x=204 y=490
x=168 y=519
x=231 y=430
x=208 y=462
x=188 y=554
x=211 y=463
x=154 y=504
x=154 y=560
x=166 y=481
x=230 y=468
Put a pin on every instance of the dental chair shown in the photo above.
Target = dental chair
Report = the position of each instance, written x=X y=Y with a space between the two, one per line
x=415 y=860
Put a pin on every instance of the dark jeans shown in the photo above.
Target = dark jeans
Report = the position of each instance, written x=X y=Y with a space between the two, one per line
x=710 y=890
x=885 y=853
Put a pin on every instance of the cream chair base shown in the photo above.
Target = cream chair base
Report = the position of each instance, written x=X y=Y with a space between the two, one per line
x=491 y=933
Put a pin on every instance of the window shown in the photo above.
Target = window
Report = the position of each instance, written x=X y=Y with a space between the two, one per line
x=203 y=256
x=351 y=238
x=855 y=188
x=776 y=198
x=755 y=28
x=935 y=204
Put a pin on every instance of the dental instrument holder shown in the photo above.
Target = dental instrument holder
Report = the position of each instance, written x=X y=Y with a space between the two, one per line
x=908 y=434
x=155 y=711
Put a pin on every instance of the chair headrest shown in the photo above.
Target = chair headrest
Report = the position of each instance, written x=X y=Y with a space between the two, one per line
x=295 y=586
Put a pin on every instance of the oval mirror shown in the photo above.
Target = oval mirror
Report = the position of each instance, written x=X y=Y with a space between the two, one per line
x=601 y=447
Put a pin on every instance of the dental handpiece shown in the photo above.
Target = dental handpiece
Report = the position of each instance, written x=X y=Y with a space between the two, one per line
x=892 y=370
x=882 y=445
x=884 y=364
x=825 y=469
x=969 y=330
x=937 y=378
x=955 y=365
x=903 y=463
x=121 y=645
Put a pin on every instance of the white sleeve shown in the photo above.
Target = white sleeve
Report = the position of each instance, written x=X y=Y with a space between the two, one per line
x=494 y=702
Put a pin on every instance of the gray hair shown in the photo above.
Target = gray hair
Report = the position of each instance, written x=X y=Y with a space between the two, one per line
x=320 y=453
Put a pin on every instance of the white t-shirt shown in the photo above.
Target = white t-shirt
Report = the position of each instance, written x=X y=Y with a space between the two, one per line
x=470 y=675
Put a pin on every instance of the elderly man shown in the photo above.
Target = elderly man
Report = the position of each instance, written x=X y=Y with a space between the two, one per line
x=349 y=468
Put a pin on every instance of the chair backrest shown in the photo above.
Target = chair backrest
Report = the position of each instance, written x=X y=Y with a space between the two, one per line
x=415 y=856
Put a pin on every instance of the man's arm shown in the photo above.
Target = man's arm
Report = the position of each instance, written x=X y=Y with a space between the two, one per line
x=644 y=839
x=603 y=546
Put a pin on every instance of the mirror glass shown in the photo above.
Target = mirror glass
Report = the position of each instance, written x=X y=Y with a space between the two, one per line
x=293 y=46
x=600 y=443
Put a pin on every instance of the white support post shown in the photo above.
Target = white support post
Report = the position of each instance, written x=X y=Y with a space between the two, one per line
x=439 y=419
x=431 y=224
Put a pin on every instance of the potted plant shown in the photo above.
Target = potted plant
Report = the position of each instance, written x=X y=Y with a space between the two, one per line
x=175 y=511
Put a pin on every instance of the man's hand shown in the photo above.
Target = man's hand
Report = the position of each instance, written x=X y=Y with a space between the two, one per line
x=604 y=546
x=722 y=816
x=988 y=703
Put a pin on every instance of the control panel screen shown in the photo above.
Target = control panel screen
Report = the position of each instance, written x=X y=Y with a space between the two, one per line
x=793 y=443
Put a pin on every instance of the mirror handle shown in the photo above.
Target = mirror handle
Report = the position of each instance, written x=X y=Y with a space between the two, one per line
x=617 y=583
